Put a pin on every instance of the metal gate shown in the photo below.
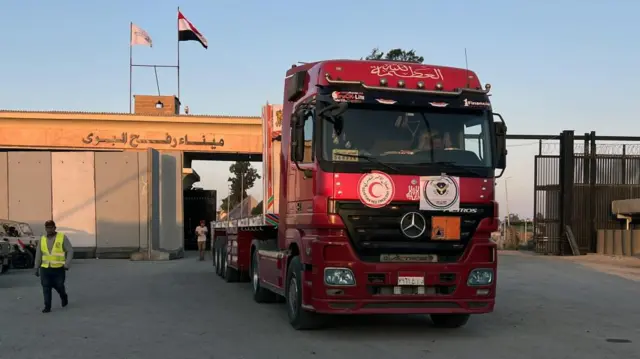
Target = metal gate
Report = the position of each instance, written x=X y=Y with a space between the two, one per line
x=574 y=190
x=546 y=207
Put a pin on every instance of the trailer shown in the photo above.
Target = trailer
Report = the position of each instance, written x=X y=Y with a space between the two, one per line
x=379 y=195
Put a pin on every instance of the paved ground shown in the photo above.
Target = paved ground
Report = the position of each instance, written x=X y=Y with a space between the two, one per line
x=547 y=308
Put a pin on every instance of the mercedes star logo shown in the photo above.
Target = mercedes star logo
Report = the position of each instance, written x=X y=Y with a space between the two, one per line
x=413 y=224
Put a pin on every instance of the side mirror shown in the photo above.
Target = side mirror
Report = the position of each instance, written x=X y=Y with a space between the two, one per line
x=334 y=110
x=500 y=159
x=297 y=137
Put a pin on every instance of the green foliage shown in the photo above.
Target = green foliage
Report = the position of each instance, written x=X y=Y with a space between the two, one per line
x=243 y=176
x=395 y=55
x=257 y=209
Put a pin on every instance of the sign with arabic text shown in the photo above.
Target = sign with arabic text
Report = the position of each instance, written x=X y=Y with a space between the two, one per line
x=133 y=140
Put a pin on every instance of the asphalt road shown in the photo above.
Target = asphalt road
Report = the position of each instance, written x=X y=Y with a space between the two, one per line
x=547 y=308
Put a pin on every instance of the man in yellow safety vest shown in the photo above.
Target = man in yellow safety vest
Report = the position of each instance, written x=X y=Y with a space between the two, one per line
x=53 y=257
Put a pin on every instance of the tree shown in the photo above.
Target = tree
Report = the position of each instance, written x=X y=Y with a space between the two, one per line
x=257 y=209
x=243 y=178
x=395 y=55
x=514 y=218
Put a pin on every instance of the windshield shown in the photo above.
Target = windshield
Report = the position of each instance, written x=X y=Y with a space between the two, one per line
x=401 y=137
x=26 y=229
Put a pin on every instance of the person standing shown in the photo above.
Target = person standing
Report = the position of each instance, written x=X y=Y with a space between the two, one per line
x=201 y=234
x=53 y=258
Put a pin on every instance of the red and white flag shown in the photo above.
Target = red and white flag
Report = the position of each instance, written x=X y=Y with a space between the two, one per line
x=188 y=32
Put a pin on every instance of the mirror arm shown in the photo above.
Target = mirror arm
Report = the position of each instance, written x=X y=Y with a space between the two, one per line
x=297 y=165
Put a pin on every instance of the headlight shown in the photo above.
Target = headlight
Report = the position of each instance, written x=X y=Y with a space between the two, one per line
x=339 y=276
x=480 y=276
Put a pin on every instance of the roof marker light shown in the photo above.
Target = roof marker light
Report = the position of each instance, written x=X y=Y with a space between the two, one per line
x=401 y=83
x=383 y=82
x=439 y=86
x=420 y=84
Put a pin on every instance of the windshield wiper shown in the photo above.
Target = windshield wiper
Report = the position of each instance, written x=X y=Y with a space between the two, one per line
x=371 y=159
x=454 y=165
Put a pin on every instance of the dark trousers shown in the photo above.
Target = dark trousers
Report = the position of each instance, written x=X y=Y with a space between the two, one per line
x=53 y=278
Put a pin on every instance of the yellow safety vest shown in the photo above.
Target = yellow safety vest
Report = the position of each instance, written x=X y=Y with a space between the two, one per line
x=56 y=258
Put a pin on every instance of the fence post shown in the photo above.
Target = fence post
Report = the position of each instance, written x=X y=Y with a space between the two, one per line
x=593 y=160
x=567 y=167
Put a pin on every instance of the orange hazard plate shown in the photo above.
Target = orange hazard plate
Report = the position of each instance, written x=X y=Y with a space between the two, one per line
x=445 y=228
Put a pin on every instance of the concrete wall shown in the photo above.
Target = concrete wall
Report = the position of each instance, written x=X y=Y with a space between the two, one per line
x=618 y=242
x=171 y=213
x=73 y=197
x=30 y=194
x=4 y=185
x=104 y=201
x=117 y=203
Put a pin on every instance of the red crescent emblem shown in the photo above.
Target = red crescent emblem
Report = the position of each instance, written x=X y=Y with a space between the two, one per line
x=372 y=193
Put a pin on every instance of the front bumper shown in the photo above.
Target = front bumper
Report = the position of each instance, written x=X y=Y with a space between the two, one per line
x=445 y=288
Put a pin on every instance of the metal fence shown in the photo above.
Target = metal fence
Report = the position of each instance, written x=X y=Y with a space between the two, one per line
x=574 y=185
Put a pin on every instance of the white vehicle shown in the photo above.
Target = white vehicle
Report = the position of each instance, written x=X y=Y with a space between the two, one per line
x=5 y=251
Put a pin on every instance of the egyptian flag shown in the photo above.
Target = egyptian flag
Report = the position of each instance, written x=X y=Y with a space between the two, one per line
x=188 y=32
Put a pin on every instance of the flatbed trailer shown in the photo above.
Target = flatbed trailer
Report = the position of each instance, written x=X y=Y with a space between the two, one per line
x=379 y=195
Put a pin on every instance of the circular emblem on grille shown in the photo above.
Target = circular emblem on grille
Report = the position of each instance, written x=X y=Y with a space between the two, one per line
x=441 y=193
x=376 y=189
x=413 y=224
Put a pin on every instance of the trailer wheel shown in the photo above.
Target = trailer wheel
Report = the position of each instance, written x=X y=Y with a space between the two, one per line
x=230 y=274
x=299 y=318
x=217 y=257
x=449 y=320
x=260 y=295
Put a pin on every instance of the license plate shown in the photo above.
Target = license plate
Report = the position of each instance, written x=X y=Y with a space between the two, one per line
x=408 y=258
x=410 y=280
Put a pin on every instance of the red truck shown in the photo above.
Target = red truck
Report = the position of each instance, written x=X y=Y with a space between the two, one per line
x=378 y=195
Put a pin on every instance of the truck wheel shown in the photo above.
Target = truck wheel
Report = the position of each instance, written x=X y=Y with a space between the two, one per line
x=449 y=320
x=299 y=318
x=260 y=295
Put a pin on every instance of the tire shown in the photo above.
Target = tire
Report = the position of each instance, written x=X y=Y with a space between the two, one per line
x=450 y=320
x=230 y=275
x=299 y=318
x=260 y=295
x=30 y=259
x=213 y=255
x=217 y=258
x=223 y=260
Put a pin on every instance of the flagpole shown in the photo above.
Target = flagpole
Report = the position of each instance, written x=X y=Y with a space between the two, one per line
x=178 y=28
x=130 y=63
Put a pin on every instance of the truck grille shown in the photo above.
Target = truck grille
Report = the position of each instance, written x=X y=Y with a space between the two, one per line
x=375 y=231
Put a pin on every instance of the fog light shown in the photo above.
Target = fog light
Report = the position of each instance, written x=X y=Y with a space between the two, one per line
x=482 y=292
x=339 y=276
x=480 y=276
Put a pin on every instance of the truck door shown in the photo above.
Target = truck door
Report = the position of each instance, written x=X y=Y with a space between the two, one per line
x=303 y=188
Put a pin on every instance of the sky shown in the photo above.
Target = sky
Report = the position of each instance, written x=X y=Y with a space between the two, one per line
x=553 y=65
